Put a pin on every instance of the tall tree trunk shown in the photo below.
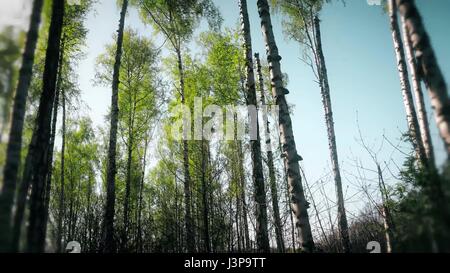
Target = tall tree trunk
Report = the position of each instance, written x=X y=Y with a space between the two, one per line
x=214 y=235
x=230 y=220
x=299 y=204
x=205 y=203
x=71 y=197
x=196 y=205
x=241 y=173
x=139 y=217
x=262 y=235
x=190 y=234
x=15 y=136
x=53 y=132
x=413 y=124
x=141 y=196
x=418 y=92
x=242 y=187
x=48 y=179
x=176 y=209
x=270 y=163
x=243 y=196
x=126 y=202
x=236 y=178
x=88 y=221
x=237 y=216
x=428 y=68
x=326 y=99
x=108 y=221
x=60 y=227
x=126 y=205
x=36 y=229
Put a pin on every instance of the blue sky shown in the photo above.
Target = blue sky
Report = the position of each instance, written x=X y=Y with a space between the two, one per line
x=362 y=72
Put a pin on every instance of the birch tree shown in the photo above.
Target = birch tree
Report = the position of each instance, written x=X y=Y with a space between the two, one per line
x=258 y=176
x=299 y=204
x=108 y=241
x=302 y=24
x=418 y=95
x=270 y=160
x=413 y=124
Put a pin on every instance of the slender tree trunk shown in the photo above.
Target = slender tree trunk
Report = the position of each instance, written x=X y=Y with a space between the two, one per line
x=88 y=222
x=141 y=197
x=176 y=209
x=238 y=215
x=386 y=213
x=190 y=234
x=139 y=218
x=428 y=69
x=419 y=98
x=262 y=235
x=214 y=235
x=15 y=136
x=126 y=205
x=326 y=99
x=234 y=171
x=241 y=173
x=205 y=204
x=299 y=204
x=235 y=177
x=108 y=221
x=126 y=202
x=71 y=220
x=270 y=163
x=413 y=124
x=242 y=187
x=243 y=196
x=36 y=229
x=230 y=230
x=53 y=133
x=61 y=211
x=48 y=183
x=198 y=214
